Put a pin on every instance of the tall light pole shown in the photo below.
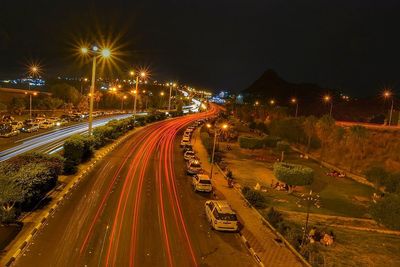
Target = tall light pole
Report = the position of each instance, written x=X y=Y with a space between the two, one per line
x=122 y=102
x=30 y=102
x=217 y=131
x=95 y=52
x=294 y=101
x=328 y=99
x=389 y=94
x=136 y=91
x=170 y=95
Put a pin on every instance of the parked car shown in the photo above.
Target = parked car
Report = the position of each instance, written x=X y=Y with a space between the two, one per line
x=46 y=125
x=201 y=182
x=185 y=141
x=193 y=167
x=29 y=128
x=187 y=148
x=221 y=216
x=16 y=125
x=9 y=133
x=40 y=120
x=188 y=155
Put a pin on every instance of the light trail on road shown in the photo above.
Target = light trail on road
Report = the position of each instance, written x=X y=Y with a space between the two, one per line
x=52 y=139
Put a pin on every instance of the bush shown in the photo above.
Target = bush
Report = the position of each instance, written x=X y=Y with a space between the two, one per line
x=271 y=141
x=376 y=175
x=102 y=135
x=256 y=198
x=283 y=146
x=392 y=183
x=274 y=217
x=249 y=142
x=290 y=129
x=387 y=211
x=293 y=174
x=78 y=149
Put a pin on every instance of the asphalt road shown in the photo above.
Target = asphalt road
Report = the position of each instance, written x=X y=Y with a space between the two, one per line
x=136 y=208
x=52 y=140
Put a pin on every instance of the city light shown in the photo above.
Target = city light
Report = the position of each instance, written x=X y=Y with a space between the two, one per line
x=293 y=100
x=327 y=98
x=106 y=52
x=272 y=101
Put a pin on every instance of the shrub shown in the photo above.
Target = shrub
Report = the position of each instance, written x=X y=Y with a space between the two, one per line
x=205 y=139
x=250 y=142
x=271 y=141
x=78 y=148
x=102 y=135
x=274 y=217
x=256 y=198
x=392 y=183
x=387 y=211
x=283 y=146
x=290 y=129
x=376 y=175
x=293 y=174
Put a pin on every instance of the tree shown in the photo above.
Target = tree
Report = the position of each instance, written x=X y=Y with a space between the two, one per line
x=53 y=102
x=66 y=92
x=10 y=194
x=17 y=105
x=377 y=175
x=83 y=104
x=250 y=142
x=309 y=126
x=387 y=211
x=293 y=174
x=357 y=137
x=97 y=97
x=325 y=127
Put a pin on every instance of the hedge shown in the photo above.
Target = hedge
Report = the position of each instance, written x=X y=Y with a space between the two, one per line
x=271 y=141
x=77 y=149
x=256 y=198
x=293 y=174
x=283 y=146
x=250 y=142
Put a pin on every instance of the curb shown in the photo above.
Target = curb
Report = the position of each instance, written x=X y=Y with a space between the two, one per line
x=67 y=190
x=248 y=246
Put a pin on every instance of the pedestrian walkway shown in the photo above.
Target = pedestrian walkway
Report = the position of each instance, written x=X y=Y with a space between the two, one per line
x=261 y=238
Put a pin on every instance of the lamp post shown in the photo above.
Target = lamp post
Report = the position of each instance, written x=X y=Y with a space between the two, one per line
x=30 y=102
x=95 y=52
x=294 y=101
x=122 y=102
x=389 y=94
x=136 y=91
x=170 y=95
x=328 y=99
x=308 y=200
x=216 y=133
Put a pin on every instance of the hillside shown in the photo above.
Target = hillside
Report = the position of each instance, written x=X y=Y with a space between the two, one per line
x=271 y=86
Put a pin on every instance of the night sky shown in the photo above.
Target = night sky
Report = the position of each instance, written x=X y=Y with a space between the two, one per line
x=352 y=45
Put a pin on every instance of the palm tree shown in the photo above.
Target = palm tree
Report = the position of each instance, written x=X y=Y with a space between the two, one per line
x=309 y=126
x=357 y=137
x=325 y=127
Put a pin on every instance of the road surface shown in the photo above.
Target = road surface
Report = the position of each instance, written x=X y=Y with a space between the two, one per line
x=51 y=141
x=136 y=208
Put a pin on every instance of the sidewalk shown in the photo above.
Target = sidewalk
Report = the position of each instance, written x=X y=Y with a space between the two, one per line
x=260 y=237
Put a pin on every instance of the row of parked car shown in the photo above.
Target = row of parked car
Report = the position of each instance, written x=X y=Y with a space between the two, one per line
x=11 y=127
x=218 y=212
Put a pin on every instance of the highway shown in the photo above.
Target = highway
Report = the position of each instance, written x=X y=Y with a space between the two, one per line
x=53 y=140
x=136 y=208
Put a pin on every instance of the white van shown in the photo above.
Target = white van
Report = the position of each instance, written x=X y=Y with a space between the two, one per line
x=221 y=216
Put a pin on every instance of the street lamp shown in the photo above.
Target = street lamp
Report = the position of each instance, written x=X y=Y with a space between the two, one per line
x=389 y=94
x=122 y=101
x=328 y=99
x=272 y=102
x=294 y=101
x=95 y=52
x=217 y=132
x=308 y=200
x=170 y=93
x=136 y=91
x=30 y=102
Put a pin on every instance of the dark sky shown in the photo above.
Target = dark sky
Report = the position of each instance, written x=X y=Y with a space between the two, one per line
x=218 y=44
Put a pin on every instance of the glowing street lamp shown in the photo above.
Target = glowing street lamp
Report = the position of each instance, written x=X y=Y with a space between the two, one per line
x=328 y=99
x=294 y=101
x=30 y=101
x=272 y=102
x=95 y=52
x=217 y=132
x=136 y=91
x=122 y=101
x=389 y=94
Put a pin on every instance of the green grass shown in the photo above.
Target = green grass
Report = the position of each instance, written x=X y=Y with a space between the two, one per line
x=338 y=196
x=359 y=248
